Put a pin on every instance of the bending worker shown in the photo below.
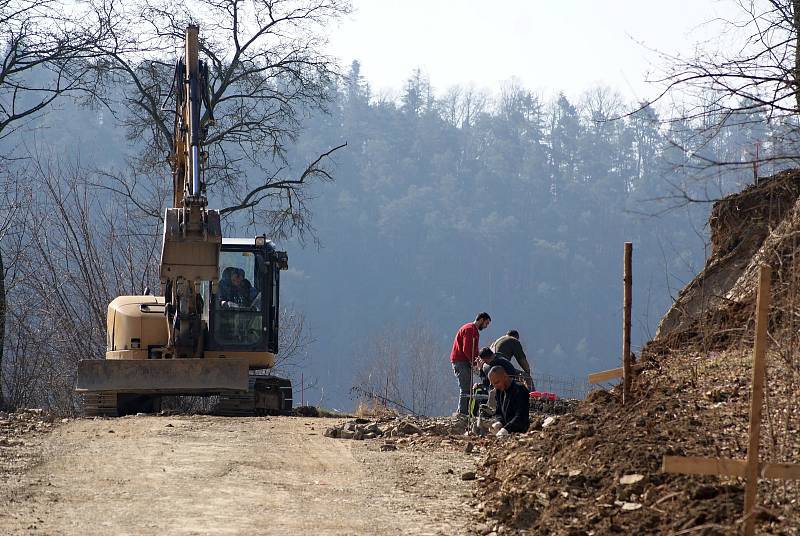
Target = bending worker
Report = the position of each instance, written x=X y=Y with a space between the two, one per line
x=513 y=404
x=508 y=346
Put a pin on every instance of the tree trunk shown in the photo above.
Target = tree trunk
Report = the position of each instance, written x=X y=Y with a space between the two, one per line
x=2 y=324
x=796 y=21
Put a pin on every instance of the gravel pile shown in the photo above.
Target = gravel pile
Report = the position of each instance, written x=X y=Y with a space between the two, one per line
x=359 y=429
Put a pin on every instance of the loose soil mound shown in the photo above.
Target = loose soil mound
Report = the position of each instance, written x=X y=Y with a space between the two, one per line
x=598 y=469
x=758 y=225
x=565 y=479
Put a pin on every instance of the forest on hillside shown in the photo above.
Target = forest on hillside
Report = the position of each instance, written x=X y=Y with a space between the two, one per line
x=452 y=202
x=442 y=203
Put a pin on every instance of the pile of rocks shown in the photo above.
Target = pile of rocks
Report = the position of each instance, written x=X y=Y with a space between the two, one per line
x=18 y=439
x=396 y=427
x=14 y=425
x=560 y=406
x=356 y=429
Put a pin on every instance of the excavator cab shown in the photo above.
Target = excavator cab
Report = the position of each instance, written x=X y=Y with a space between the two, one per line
x=240 y=310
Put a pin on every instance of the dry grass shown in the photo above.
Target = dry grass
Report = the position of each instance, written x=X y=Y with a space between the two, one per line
x=374 y=410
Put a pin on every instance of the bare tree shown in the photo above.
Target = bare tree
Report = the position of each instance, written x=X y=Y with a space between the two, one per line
x=77 y=252
x=750 y=78
x=461 y=106
x=11 y=203
x=407 y=367
x=266 y=70
x=294 y=339
x=45 y=47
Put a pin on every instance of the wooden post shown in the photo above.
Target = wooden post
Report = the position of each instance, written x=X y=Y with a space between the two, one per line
x=750 y=469
x=756 y=399
x=626 y=325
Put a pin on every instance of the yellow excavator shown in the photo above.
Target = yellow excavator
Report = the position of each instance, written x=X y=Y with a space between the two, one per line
x=215 y=329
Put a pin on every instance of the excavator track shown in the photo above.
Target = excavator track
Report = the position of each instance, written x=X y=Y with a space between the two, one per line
x=266 y=395
x=112 y=404
x=100 y=404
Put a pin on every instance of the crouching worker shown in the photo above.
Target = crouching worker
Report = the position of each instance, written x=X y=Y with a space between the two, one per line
x=513 y=404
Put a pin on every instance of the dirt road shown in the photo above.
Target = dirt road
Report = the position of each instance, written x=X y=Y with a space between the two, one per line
x=216 y=475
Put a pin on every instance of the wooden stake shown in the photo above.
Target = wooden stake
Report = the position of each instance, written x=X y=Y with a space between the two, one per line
x=750 y=469
x=606 y=375
x=759 y=352
x=692 y=465
x=626 y=325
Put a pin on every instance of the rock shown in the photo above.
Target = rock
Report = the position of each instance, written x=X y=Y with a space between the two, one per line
x=306 y=411
x=408 y=428
x=627 y=480
x=703 y=493
x=65 y=421
x=331 y=432
x=468 y=447
x=388 y=447
x=169 y=425
x=483 y=529
x=469 y=475
x=628 y=506
x=549 y=421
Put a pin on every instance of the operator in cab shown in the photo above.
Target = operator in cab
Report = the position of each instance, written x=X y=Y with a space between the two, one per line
x=235 y=291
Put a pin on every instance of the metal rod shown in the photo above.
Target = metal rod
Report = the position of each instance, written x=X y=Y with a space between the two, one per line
x=195 y=170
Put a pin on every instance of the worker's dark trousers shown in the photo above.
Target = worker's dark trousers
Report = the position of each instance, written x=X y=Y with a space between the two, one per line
x=463 y=372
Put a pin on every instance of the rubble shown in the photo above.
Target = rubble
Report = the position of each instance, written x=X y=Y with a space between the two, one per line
x=560 y=406
x=389 y=427
x=18 y=432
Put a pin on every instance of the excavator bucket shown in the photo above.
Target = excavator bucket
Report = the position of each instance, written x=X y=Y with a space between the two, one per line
x=191 y=255
x=162 y=376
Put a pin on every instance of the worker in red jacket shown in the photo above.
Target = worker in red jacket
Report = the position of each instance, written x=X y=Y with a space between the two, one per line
x=464 y=355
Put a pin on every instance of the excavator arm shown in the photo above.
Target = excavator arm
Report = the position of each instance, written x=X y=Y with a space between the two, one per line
x=192 y=231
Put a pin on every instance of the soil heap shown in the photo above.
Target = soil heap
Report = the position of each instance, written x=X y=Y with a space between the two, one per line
x=598 y=469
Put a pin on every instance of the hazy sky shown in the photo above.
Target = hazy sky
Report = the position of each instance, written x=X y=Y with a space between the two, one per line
x=549 y=45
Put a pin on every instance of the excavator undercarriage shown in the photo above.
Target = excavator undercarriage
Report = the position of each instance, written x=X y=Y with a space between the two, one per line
x=266 y=395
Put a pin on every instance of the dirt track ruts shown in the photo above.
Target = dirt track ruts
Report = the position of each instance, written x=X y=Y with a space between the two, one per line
x=216 y=475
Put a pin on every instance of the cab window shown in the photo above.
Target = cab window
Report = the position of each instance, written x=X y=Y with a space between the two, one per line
x=238 y=319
